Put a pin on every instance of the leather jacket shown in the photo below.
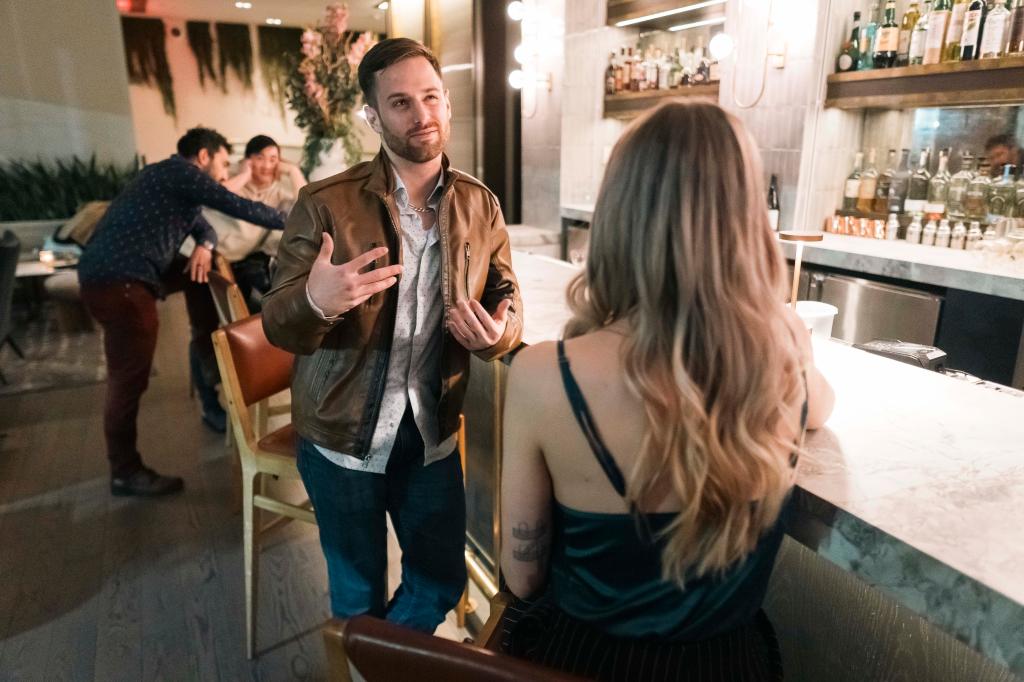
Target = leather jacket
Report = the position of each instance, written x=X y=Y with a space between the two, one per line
x=341 y=366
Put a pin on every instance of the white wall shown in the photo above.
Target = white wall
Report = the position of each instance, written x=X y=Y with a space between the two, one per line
x=63 y=81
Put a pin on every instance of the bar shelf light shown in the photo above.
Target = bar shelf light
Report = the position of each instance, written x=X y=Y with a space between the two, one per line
x=673 y=12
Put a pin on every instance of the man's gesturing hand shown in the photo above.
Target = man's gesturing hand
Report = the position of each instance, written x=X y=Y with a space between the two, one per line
x=476 y=329
x=336 y=289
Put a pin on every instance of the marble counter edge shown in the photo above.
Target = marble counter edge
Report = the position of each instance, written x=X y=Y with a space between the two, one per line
x=910 y=271
x=982 y=618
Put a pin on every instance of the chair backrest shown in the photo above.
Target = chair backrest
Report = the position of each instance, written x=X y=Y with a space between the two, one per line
x=9 y=248
x=251 y=369
x=366 y=648
x=223 y=267
x=227 y=298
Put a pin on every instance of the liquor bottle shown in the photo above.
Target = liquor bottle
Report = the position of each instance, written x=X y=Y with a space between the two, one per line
x=917 y=195
x=703 y=65
x=899 y=187
x=1003 y=196
x=951 y=52
x=914 y=230
x=868 y=35
x=974 y=236
x=887 y=44
x=958 y=185
x=609 y=76
x=1018 y=210
x=958 y=238
x=943 y=234
x=849 y=56
x=773 y=202
x=970 y=41
x=938 y=22
x=919 y=37
x=928 y=233
x=892 y=227
x=868 y=183
x=994 y=37
x=938 y=188
x=976 y=197
x=881 y=203
x=910 y=18
x=1017 y=37
x=851 y=189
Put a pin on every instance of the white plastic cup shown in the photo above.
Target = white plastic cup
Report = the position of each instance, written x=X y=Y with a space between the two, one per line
x=817 y=316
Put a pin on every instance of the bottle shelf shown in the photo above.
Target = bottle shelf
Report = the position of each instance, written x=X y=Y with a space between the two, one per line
x=632 y=104
x=979 y=82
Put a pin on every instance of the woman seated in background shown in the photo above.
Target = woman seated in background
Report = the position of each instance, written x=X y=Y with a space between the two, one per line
x=249 y=248
x=648 y=459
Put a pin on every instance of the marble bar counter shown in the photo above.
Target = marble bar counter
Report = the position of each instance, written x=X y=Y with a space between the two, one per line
x=964 y=270
x=915 y=486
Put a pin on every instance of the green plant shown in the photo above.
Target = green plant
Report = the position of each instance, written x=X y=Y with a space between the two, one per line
x=50 y=190
x=145 y=50
x=200 y=41
x=234 y=51
x=279 y=52
x=323 y=88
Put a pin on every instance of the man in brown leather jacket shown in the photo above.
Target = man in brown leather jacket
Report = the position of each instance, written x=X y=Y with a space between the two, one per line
x=389 y=275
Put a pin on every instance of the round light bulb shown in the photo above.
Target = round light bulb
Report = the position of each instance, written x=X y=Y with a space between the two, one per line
x=516 y=10
x=520 y=54
x=516 y=79
x=721 y=46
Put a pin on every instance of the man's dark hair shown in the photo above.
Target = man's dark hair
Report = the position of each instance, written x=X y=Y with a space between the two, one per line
x=258 y=144
x=1001 y=140
x=201 y=138
x=384 y=54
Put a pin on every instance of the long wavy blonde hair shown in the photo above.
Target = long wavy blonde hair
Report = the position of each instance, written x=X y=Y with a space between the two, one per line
x=682 y=253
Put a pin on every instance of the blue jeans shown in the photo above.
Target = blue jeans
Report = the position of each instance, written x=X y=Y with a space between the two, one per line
x=428 y=511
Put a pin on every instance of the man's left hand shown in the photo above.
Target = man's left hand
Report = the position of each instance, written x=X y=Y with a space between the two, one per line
x=476 y=329
x=199 y=264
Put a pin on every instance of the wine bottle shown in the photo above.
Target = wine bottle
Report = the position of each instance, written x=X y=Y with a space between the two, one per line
x=938 y=23
x=919 y=37
x=851 y=190
x=970 y=40
x=951 y=52
x=994 y=37
x=849 y=56
x=773 y=202
x=910 y=18
x=888 y=42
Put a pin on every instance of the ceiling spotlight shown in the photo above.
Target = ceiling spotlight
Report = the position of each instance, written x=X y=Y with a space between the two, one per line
x=516 y=10
x=273 y=21
x=243 y=5
x=383 y=6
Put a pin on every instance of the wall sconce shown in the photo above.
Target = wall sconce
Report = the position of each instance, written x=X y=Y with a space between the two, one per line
x=530 y=77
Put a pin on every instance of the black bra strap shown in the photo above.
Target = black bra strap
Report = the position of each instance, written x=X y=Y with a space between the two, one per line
x=586 y=422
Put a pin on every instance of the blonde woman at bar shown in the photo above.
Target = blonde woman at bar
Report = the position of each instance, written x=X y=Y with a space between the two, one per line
x=649 y=458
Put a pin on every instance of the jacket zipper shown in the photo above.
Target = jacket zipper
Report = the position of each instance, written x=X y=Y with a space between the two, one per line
x=468 y=294
x=382 y=380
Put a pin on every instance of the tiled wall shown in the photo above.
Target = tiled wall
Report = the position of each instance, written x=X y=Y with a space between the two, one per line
x=587 y=137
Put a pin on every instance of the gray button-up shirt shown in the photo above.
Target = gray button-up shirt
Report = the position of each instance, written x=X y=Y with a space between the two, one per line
x=414 y=372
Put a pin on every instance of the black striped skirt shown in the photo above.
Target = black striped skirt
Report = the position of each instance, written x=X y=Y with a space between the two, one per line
x=545 y=635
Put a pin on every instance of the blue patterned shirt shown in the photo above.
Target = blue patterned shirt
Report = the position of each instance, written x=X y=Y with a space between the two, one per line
x=140 y=235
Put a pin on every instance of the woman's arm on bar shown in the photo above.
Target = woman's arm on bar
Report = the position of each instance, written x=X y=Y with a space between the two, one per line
x=526 y=493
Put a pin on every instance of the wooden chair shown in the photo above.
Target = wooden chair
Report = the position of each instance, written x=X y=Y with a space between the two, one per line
x=252 y=370
x=372 y=650
x=227 y=298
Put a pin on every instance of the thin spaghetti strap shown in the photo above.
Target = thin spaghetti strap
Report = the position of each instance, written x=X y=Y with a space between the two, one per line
x=586 y=422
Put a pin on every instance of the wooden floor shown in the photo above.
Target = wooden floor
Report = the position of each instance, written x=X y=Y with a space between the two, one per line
x=94 y=587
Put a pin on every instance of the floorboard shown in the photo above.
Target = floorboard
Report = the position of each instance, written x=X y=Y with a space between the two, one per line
x=94 y=587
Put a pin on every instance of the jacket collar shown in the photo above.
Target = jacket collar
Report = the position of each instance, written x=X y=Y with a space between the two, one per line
x=381 y=180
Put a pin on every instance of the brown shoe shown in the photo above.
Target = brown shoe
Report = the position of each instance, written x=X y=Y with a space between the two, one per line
x=145 y=483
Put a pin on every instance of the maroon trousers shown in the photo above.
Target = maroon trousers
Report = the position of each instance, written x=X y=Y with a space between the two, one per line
x=127 y=313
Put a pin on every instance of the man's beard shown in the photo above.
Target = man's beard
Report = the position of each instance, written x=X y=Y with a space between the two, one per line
x=415 y=150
